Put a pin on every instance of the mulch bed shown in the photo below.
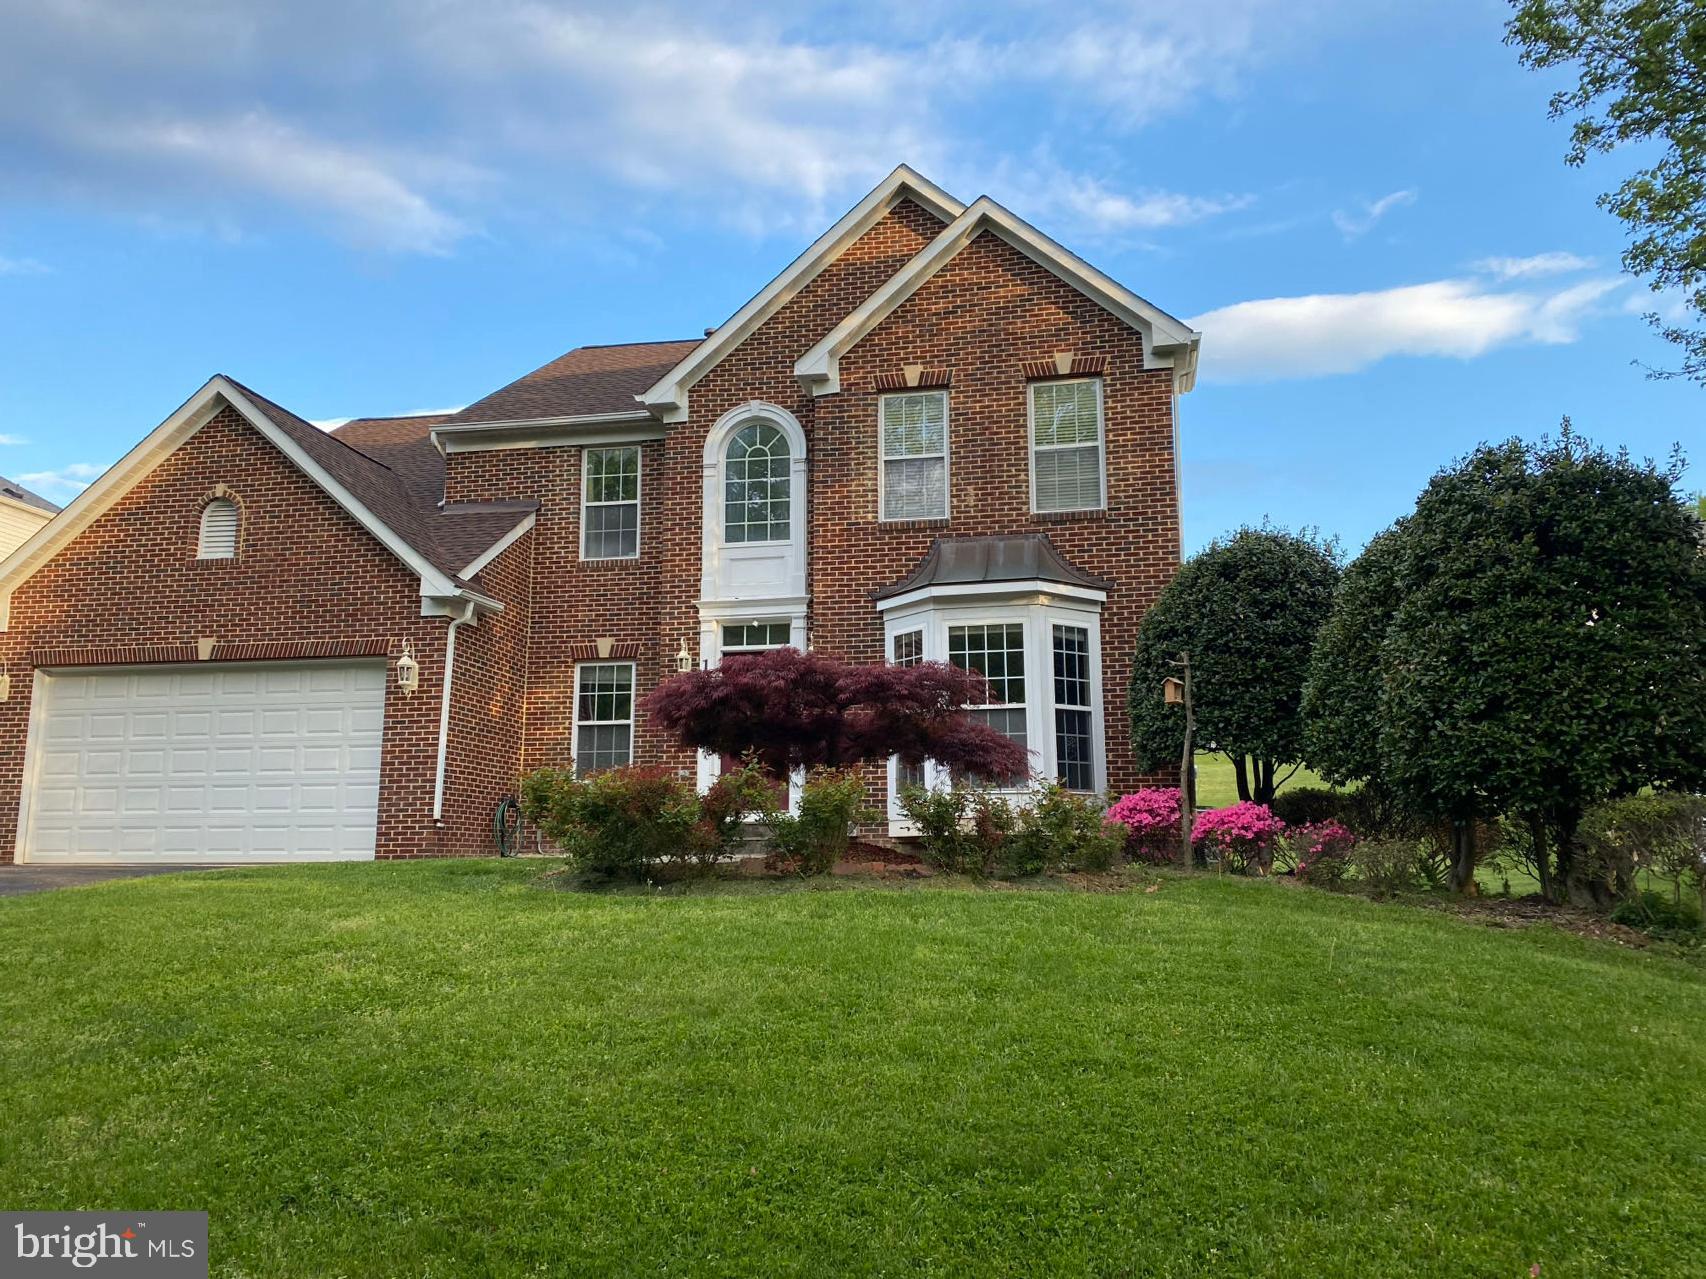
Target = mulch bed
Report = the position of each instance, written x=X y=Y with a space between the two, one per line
x=1525 y=912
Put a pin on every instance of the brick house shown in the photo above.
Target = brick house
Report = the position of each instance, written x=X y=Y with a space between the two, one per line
x=937 y=435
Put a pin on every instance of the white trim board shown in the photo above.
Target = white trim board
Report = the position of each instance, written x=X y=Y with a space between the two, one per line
x=667 y=398
x=1167 y=342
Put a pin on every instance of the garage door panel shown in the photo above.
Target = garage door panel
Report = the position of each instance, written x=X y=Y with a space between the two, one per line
x=207 y=763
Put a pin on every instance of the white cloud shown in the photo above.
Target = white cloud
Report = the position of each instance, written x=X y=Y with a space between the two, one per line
x=1670 y=305
x=231 y=113
x=66 y=482
x=1087 y=203
x=1329 y=333
x=1540 y=264
x=358 y=191
x=21 y=266
x=1352 y=225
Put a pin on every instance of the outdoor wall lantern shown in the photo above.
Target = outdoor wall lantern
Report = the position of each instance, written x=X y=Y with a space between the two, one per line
x=408 y=669
x=684 y=658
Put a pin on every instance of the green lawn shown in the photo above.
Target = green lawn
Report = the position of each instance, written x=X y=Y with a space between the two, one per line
x=442 y=1070
x=1217 y=784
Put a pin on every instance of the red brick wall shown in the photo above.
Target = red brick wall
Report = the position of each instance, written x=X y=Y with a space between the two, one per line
x=648 y=603
x=487 y=707
x=306 y=573
x=988 y=311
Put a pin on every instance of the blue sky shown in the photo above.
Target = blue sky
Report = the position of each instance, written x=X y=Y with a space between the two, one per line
x=387 y=208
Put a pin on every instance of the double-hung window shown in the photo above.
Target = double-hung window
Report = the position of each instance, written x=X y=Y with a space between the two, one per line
x=914 y=436
x=1067 y=446
x=610 y=503
x=1074 y=758
x=604 y=716
x=997 y=651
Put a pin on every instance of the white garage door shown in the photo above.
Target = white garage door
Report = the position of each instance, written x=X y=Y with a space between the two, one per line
x=237 y=762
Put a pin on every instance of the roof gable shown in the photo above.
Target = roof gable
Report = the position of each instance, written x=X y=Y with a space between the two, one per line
x=374 y=495
x=667 y=397
x=1167 y=342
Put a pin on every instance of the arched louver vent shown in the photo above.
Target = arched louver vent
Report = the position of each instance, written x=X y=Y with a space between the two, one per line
x=218 y=530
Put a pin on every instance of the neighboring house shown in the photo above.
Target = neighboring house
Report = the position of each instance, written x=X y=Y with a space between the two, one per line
x=21 y=514
x=937 y=435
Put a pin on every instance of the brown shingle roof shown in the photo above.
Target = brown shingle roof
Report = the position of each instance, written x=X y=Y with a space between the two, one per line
x=589 y=379
x=956 y=561
x=400 y=491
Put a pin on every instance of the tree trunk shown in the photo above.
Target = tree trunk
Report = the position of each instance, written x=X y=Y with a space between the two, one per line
x=1542 y=859
x=1463 y=857
x=1264 y=787
x=1241 y=772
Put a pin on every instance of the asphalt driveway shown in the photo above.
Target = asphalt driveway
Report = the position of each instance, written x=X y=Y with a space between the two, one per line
x=15 y=881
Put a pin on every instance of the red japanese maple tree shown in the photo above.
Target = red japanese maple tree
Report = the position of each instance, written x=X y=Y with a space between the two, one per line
x=802 y=710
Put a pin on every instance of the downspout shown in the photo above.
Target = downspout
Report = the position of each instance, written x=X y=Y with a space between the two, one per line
x=444 y=711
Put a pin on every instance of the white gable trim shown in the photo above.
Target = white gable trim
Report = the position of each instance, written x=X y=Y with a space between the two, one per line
x=1167 y=342
x=503 y=544
x=161 y=443
x=667 y=399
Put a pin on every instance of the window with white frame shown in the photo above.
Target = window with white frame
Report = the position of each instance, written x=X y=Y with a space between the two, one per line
x=1066 y=445
x=220 y=521
x=996 y=651
x=610 y=503
x=907 y=649
x=757 y=485
x=755 y=637
x=604 y=716
x=914 y=438
x=1074 y=736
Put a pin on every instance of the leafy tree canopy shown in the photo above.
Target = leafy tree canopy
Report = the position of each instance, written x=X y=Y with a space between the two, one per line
x=1642 y=79
x=1548 y=648
x=1247 y=610
x=802 y=710
x=1341 y=700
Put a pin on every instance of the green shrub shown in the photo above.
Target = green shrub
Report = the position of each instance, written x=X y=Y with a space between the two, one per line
x=962 y=830
x=736 y=795
x=1388 y=866
x=812 y=840
x=1662 y=832
x=617 y=824
x=1310 y=805
x=1318 y=854
x=1666 y=918
x=1060 y=831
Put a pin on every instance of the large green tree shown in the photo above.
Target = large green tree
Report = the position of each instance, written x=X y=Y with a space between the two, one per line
x=1641 y=79
x=1548 y=647
x=1246 y=610
x=1341 y=699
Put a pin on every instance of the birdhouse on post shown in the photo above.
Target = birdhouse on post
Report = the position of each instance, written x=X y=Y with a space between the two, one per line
x=1173 y=691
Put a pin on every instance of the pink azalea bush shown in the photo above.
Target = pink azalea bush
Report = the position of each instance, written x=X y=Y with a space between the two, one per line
x=1321 y=851
x=1241 y=838
x=1151 y=819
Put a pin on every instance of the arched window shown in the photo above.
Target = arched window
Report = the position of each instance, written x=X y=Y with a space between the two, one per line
x=757 y=486
x=219 y=520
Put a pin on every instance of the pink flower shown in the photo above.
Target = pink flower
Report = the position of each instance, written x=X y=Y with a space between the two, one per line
x=1244 y=833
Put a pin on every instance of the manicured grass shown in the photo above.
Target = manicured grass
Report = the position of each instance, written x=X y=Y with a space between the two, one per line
x=443 y=1070
x=1217 y=784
